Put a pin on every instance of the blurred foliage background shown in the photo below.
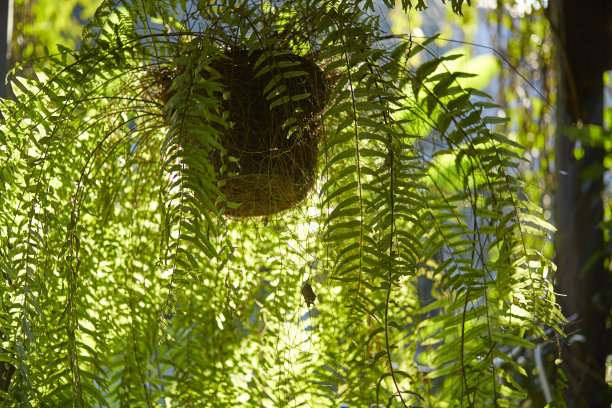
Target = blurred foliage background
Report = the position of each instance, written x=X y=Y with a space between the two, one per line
x=511 y=45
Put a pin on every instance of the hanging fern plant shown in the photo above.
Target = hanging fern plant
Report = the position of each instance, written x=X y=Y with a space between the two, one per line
x=262 y=204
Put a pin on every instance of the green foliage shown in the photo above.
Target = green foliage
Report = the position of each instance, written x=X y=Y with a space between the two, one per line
x=421 y=4
x=41 y=27
x=126 y=285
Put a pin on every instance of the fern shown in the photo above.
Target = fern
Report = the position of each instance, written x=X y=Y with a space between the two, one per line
x=127 y=283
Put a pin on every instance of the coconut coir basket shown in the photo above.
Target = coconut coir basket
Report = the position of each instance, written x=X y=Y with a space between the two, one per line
x=276 y=144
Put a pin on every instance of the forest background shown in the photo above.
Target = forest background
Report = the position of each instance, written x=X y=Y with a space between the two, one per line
x=546 y=64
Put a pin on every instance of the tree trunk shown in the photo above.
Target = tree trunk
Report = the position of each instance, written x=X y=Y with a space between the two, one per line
x=6 y=30
x=581 y=27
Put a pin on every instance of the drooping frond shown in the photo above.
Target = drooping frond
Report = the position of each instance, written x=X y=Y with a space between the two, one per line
x=132 y=276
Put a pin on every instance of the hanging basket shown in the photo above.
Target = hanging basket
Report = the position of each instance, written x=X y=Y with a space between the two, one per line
x=276 y=146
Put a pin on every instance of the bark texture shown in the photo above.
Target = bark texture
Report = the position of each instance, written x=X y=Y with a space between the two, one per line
x=582 y=30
